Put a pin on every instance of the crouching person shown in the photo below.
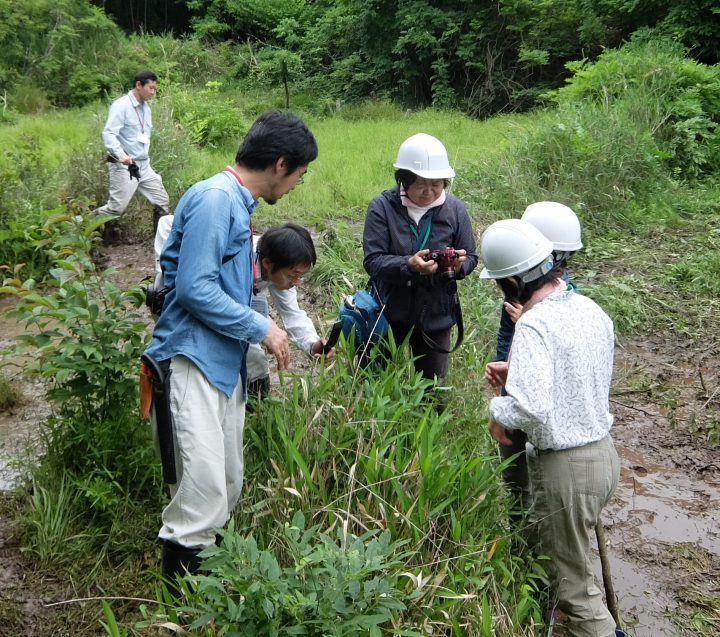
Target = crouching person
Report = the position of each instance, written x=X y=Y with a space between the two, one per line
x=201 y=338
x=283 y=256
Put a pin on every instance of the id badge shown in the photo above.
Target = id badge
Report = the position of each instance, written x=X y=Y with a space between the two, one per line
x=143 y=138
x=259 y=304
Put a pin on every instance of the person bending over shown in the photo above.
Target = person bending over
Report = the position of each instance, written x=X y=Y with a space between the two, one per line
x=283 y=256
x=557 y=383
x=202 y=335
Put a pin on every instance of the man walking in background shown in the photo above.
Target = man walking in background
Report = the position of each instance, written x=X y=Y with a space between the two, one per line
x=126 y=137
x=201 y=338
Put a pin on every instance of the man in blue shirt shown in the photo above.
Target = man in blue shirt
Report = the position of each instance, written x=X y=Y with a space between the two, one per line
x=126 y=137
x=202 y=335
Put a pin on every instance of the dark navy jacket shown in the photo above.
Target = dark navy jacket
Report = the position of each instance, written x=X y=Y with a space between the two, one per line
x=388 y=243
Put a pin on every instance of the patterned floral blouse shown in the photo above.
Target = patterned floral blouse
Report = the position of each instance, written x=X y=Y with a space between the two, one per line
x=559 y=373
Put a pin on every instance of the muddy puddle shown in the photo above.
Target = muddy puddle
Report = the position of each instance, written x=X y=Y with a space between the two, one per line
x=657 y=515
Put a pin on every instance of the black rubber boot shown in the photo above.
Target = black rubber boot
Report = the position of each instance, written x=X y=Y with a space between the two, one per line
x=257 y=389
x=111 y=234
x=158 y=211
x=178 y=560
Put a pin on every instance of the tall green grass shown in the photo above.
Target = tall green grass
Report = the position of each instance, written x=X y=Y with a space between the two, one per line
x=360 y=450
x=356 y=159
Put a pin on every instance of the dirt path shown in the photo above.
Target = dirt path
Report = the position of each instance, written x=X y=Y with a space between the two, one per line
x=662 y=526
x=664 y=522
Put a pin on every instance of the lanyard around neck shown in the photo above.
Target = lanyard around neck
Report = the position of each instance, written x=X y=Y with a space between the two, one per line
x=141 y=120
x=253 y=260
x=227 y=169
x=425 y=227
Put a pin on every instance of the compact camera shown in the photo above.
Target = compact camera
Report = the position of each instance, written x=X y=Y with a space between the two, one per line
x=445 y=259
x=134 y=171
x=155 y=298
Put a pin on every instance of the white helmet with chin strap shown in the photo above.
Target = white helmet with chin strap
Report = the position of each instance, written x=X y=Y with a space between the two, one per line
x=558 y=223
x=425 y=156
x=513 y=247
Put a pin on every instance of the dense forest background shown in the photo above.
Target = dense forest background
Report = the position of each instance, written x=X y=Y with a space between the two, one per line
x=478 y=56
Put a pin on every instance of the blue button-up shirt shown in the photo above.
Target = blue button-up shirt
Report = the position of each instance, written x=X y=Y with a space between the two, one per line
x=207 y=263
x=128 y=123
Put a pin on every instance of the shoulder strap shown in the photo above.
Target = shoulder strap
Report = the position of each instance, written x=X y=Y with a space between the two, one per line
x=460 y=329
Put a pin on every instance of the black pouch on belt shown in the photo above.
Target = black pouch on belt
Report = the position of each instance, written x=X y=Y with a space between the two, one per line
x=160 y=372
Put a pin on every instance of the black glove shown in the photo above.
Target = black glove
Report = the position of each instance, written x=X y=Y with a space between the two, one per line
x=134 y=171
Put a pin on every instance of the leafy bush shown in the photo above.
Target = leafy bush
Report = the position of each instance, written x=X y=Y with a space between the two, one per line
x=51 y=40
x=626 y=129
x=673 y=99
x=87 y=85
x=88 y=343
x=311 y=584
x=10 y=395
x=209 y=116
x=28 y=98
x=85 y=338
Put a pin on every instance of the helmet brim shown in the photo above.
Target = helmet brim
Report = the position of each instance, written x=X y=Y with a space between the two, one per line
x=445 y=173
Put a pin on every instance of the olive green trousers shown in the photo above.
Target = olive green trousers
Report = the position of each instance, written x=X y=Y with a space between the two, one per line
x=570 y=489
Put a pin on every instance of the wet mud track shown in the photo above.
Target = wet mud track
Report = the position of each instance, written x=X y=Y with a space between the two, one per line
x=663 y=525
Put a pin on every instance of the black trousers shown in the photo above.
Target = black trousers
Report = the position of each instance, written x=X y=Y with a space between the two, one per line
x=430 y=363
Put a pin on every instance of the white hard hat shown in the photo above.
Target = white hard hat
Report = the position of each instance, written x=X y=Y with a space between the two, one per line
x=425 y=156
x=557 y=222
x=514 y=247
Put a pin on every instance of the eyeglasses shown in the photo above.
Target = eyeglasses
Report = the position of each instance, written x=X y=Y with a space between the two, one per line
x=295 y=277
x=301 y=180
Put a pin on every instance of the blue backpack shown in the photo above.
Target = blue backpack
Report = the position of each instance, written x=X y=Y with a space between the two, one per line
x=362 y=314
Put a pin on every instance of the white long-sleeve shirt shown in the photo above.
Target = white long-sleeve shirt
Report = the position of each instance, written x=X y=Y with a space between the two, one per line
x=300 y=328
x=559 y=374
x=128 y=127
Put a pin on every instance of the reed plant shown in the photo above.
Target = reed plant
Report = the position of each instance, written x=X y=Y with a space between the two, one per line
x=367 y=449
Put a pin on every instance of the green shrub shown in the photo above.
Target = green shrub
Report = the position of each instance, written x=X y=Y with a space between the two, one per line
x=210 y=117
x=10 y=395
x=625 y=131
x=311 y=584
x=660 y=92
x=49 y=40
x=86 y=339
x=87 y=85
x=28 y=98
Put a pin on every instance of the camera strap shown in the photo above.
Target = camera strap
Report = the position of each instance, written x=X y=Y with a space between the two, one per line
x=460 y=328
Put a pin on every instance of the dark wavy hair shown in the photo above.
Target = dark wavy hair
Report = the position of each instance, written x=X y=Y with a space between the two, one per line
x=516 y=291
x=144 y=77
x=407 y=178
x=276 y=135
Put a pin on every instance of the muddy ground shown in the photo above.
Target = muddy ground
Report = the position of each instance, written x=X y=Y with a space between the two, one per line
x=663 y=525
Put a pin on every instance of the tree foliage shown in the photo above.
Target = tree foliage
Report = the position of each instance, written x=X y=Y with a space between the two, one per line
x=478 y=55
x=57 y=46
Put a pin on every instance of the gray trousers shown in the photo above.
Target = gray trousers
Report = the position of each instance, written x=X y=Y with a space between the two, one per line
x=122 y=188
x=570 y=489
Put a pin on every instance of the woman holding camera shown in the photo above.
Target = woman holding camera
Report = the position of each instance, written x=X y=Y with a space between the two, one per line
x=408 y=232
